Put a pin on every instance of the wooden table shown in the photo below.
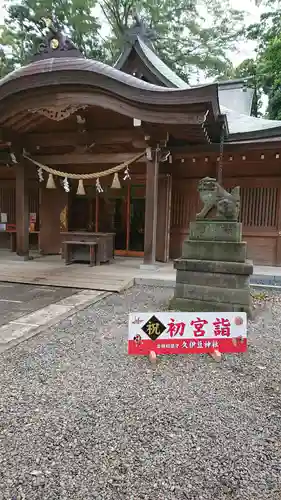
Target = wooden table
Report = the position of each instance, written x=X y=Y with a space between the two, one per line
x=73 y=252
x=106 y=242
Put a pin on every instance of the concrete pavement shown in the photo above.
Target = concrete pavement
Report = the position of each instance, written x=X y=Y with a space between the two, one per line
x=26 y=310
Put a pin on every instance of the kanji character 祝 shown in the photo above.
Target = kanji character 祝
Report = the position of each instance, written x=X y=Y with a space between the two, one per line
x=153 y=329
x=176 y=328
x=198 y=325
x=222 y=327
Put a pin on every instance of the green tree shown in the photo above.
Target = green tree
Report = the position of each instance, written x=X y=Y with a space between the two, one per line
x=267 y=34
x=7 y=63
x=270 y=74
x=188 y=34
x=25 y=25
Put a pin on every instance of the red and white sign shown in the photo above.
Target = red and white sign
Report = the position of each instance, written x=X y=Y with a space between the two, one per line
x=32 y=218
x=187 y=333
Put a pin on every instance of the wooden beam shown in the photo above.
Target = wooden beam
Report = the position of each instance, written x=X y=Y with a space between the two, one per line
x=83 y=159
x=101 y=137
x=47 y=139
x=22 y=210
x=188 y=151
x=106 y=136
x=14 y=119
x=151 y=202
x=29 y=123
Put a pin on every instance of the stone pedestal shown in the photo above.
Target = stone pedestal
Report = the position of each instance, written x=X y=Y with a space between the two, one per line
x=213 y=273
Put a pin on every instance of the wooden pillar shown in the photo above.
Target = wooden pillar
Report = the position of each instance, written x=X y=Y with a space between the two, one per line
x=218 y=172
x=53 y=203
x=164 y=218
x=278 y=241
x=22 y=210
x=151 y=201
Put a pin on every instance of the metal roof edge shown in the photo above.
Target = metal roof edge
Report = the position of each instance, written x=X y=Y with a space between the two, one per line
x=255 y=135
x=261 y=140
x=225 y=83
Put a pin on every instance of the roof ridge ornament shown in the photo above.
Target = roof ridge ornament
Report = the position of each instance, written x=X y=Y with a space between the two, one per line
x=55 y=44
x=140 y=29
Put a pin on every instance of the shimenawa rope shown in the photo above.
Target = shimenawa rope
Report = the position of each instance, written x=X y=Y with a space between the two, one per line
x=94 y=175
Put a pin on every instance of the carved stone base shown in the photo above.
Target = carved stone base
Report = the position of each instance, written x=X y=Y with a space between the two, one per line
x=214 y=250
x=213 y=273
x=213 y=230
x=212 y=286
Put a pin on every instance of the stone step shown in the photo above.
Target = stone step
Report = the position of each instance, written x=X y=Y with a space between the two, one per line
x=213 y=294
x=212 y=266
x=213 y=279
x=191 y=305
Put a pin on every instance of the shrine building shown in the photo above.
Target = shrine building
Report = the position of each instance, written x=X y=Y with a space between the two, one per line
x=89 y=148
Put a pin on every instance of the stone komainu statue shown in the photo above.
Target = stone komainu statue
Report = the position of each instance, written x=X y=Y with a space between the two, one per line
x=214 y=196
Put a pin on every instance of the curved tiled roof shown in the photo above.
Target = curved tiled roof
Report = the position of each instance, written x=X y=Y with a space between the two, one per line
x=98 y=84
x=79 y=64
x=239 y=123
x=76 y=71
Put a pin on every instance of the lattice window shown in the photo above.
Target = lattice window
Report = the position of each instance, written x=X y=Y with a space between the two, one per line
x=259 y=206
x=185 y=205
x=34 y=201
x=8 y=203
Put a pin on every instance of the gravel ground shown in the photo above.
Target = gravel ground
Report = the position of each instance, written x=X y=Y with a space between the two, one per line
x=79 y=419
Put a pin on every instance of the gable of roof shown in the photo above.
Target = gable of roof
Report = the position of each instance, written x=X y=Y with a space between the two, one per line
x=235 y=98
x=161 y=67
x=157 y=67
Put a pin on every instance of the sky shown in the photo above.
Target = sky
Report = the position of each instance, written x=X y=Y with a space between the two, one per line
x=245 y=49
